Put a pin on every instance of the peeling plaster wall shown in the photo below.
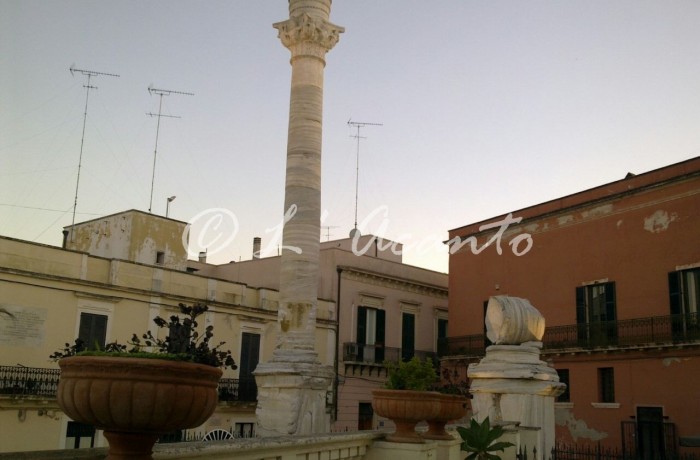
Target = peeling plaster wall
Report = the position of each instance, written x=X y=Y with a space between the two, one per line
x=107 y=237
x=134 y=236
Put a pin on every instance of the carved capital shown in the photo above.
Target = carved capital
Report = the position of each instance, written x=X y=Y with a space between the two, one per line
x=308 y=35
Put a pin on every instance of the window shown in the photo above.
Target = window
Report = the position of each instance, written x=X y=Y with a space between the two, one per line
x=93 y=330
x=370 y=334
x=160 y=258
x=250 y=356
x=564 y=378
x=606 y=385
x=79 y=435
x=684 y=288
x=596 y=314
x=244 y=430
x=408 y=336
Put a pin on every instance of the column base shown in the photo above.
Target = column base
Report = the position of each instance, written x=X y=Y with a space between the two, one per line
x=292 y=398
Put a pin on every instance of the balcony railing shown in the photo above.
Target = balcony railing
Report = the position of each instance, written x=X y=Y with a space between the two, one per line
x=28 y=381
x=21 y=381
x=238 y=390
x=638 y=332
x=378 y=354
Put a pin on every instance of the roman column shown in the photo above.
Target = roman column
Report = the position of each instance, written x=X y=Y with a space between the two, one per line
x=292 y=385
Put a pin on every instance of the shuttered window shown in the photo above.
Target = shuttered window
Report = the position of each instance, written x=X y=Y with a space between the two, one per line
x=93 y=330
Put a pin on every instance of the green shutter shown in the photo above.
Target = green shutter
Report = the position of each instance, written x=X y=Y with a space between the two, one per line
x=610 y=310
x=361 y=325
x=674 y=290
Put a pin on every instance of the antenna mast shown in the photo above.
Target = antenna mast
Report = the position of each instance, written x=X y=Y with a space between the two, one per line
x=88 y=87
x=161 y=93
x=358 y=125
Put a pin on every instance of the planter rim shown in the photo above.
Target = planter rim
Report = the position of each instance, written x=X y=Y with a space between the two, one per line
x=385 y=392
x=146 y=368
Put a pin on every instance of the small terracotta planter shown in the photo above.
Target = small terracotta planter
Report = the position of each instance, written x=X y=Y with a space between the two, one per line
x=135 y=400
x=406 y=408
x=452 y=407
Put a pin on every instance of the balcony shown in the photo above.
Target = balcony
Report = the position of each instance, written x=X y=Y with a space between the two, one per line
x=653 y=331
x=36 y=384
x=372 y=357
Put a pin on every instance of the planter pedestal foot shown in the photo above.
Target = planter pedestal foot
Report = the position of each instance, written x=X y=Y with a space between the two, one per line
x=130 y=445
x=436 y=431
x=405 y=432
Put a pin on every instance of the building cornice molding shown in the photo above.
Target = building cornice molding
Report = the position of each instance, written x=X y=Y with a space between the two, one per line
x=379 y=279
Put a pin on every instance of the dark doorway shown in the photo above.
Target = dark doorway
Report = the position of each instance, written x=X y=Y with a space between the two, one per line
x=650 y=433
x=364 y=421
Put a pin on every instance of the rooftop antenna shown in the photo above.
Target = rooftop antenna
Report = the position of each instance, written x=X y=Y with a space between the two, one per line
x=358 y=125
x=88 y=87
x=161 y=93
x=328 y=231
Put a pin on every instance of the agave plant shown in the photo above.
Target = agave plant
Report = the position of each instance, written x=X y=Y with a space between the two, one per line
x=480 y=439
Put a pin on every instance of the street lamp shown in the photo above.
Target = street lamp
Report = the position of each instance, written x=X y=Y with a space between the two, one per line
x=167 y=205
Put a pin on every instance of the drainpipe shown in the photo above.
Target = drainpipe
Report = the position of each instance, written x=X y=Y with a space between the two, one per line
x=337 y=346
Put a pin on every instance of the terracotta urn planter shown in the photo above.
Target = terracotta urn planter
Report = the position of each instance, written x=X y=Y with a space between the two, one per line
x=135 y=400
x=406 y=408
x=452 y=407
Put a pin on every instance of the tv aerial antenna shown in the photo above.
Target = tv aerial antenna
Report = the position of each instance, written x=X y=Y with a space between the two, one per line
x=161 y=93
x=328 y=231
x=358 y=125
x=89 y=74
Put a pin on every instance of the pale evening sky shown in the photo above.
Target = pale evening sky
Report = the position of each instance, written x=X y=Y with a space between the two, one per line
x=487 y=107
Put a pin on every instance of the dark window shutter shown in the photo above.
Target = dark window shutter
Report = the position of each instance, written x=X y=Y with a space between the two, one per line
x=581 y=305
x=381 y=325
x=610 y=310
x=674 y=290
x=361 y=324
x=408 y=336
x=93 y=330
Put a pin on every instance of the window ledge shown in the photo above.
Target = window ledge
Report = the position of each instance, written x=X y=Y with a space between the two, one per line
x=599 y=405
x=563 y=405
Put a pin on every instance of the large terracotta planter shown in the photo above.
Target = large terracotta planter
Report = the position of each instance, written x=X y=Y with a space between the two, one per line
x=406 y=408
x=452 y=407
x=135 y=400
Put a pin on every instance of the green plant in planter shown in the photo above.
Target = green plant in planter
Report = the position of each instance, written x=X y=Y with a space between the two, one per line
x=480 y=439
x=183 y=343
x=451 y=384
x=414 y=375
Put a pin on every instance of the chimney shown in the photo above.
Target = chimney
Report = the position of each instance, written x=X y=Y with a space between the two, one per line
x=203 y=256
x=65 y=238
x=256 y=248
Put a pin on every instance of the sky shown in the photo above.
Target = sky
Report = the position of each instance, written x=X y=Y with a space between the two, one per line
x=484 y=108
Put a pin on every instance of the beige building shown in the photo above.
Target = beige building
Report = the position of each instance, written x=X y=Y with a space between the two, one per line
x=387 y=310
x=50 y=296
x=119 y=272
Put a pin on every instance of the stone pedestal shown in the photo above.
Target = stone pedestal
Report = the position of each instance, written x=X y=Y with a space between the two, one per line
x=292 y=398
x=512 y=385
x=431 y=450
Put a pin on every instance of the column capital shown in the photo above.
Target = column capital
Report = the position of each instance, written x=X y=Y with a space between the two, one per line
x=306 y=35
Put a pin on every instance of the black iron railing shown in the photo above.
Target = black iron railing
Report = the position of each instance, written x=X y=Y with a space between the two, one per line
x=378 y=354
x=670 y=329
x=28 y=381
x=238 y=390
x=24 y=381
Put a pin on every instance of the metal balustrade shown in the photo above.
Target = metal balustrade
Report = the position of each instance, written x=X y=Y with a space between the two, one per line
x=22 y=381
x=626 y=333
x=379 y=354
x=28 y=381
